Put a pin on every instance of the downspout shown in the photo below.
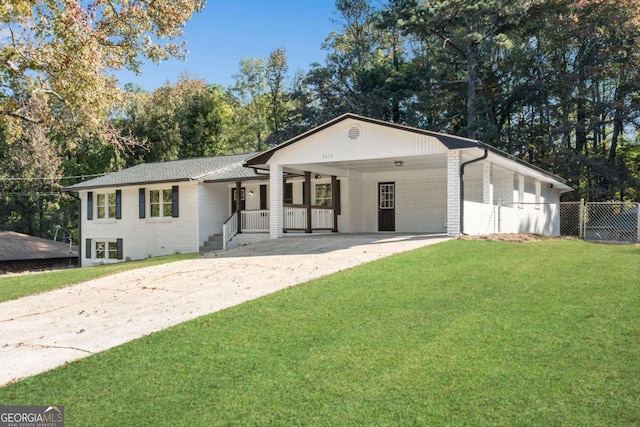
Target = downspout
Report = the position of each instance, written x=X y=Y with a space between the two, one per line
x=79 y=227
x=462 y=166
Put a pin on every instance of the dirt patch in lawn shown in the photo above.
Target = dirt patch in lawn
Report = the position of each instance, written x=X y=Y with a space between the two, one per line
x=515 y=237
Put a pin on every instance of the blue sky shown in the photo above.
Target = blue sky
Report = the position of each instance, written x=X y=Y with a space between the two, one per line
x=229 y=30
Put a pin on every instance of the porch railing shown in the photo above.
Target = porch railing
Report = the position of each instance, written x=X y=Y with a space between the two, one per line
x=257 y=221
x=322 y=218
x=295 y=218
x=229 y=229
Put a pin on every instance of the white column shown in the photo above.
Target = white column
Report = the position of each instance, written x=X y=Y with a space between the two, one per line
x=487 y=186
x=453 y=193
x=276 y=200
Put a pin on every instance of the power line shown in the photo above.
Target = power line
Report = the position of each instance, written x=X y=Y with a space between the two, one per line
x=35 y=193
x=53 y=178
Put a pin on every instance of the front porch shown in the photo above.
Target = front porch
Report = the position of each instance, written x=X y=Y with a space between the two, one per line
x=296 y=218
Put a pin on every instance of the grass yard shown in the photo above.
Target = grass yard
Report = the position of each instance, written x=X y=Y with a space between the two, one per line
x=463 y=333
x=20 y=285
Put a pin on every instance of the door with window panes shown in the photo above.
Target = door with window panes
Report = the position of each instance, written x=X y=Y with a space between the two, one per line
x=386 y=206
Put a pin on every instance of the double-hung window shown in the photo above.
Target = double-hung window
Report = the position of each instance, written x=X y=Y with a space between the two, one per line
x=106 y=250
x=161 y=203
x=106 y=204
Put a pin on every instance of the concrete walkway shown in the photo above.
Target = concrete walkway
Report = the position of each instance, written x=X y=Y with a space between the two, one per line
x=41 y=332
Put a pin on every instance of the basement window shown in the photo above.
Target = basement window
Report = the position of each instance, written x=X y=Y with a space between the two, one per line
x=106 y=250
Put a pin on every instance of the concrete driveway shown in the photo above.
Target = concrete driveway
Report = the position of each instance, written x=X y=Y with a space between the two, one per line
x=41 y=332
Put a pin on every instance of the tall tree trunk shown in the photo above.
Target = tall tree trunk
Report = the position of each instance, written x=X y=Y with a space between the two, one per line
x=472 y=81
x=617 y=125
x=581 y=108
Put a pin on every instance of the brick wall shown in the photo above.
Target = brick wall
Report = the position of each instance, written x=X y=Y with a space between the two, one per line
x=143 y=237
x=420 y=203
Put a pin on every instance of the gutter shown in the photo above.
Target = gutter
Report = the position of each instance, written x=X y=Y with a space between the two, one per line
x=261 y=171
x=462 y=166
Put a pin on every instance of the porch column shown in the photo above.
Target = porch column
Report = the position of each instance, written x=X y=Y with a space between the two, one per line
x=276 y=201
x=453 y=193
x=307 y=200
x=487 y=186
x=334 y=202
x=239 y=205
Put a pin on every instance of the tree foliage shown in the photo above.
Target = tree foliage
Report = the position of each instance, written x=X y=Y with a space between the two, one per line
x=63 y=52
x=553 y=82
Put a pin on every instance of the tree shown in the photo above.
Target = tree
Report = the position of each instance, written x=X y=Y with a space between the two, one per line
x=251 y=89
x=276 y=73
x=357 y=66
x=63 y=52
x=190 y=118
x=465 y=36
x=30 y=166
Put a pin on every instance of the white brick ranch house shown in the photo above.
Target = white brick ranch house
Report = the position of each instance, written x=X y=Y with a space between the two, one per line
x=350 y=175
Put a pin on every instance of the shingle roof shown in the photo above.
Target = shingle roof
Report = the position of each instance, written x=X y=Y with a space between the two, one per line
x=22 y=247
x=200 y=169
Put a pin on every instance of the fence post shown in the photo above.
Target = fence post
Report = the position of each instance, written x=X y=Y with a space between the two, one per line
x=638 y=223
x=581 y=219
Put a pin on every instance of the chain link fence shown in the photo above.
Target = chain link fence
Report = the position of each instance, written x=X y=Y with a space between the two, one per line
x=607 y=222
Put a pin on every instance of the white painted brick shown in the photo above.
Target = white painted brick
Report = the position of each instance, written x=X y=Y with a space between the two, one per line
x=275 y=201
x=453 y=193
x=143 y=237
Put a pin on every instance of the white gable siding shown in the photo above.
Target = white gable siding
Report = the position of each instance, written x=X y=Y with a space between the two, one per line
x=333 y=144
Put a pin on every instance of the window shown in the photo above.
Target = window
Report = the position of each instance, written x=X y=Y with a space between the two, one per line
x=323 y=195
x=288 y=192
x=106 y=250
x=520 y=189
x=106 y=204
x=386 y=198
x=263 y=196
x=161 y=203
x=243 y=202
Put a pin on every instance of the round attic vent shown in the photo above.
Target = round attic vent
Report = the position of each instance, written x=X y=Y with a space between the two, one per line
x=354 y=132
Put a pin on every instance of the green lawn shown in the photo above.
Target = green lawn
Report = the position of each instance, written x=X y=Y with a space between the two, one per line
x=16 y=286
x=463 y=333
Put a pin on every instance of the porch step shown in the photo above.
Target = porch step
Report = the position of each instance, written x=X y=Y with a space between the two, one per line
x=214 y=243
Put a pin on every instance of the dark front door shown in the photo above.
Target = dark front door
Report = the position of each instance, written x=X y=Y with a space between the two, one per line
x=387 y=206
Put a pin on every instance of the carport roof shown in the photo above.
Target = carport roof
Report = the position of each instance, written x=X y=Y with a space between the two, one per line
x=449 y=141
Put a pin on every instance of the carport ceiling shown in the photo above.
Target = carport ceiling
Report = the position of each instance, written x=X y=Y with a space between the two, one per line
x=376 y=165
